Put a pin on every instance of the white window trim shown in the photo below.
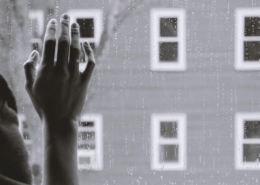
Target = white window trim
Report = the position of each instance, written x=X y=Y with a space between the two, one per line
x=155 y=16
x=37 y=15
x=22 y=118
x=181 y=119
x=239 y=140
x=96 y=156
x=96 y=14
x=240 y=15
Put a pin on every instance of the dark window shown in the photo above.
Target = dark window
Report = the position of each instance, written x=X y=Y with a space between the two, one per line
x=26 y=135
x=169 y=153
x=168 y=129
x=168 y=27
x=168 y=51
x=35 y=46
x=252 y=26
x=86 y=135
x=86 y=28
x=86 y=146
x=252 y=51
x=86 y=124
x=251 y=152
x=252 y=129
x=84 y=160
x=24 y=124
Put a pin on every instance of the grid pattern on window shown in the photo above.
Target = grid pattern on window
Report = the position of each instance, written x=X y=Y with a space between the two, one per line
x=247 y=141
x=168 y=135
x=90 y=142
x=168 y=45
x=247 y=42
x=36 y=28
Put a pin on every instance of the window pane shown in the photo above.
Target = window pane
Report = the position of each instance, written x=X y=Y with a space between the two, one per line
x=252 y=129
x=24 y=124
x=35 y=46
x=26 y=135
x=84 y=145
x=168 y=27
x=168 y=129
x=168 y=51
x=252 y=26
x=252 y=51
x=86 y=28
x=84 y=160
x=86 y=124
x=251 y=152
x=86 y=135
x=168 y=153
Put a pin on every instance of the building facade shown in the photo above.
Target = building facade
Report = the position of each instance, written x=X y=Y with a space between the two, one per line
x=173 y=100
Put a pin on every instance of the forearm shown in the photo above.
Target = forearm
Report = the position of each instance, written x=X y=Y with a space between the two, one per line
x=60 y=153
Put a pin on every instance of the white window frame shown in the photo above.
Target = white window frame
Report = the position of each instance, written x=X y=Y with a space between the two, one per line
x=240 y=118
x=95 y=14
x=37 y=15
x=240 y=15
x=155 y=16
x=96 y=156
x=156 y=141
x=22 y=118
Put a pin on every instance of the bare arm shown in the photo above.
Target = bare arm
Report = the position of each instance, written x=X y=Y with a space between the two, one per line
x=58 y=92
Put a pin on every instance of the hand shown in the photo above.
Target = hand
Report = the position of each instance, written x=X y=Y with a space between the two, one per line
x=57 y=89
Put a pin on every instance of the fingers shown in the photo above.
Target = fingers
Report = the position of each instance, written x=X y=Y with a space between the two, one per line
x=49 y=43
x=86 y=75
x=30 y=69
x=64 y=42
x=74 y=49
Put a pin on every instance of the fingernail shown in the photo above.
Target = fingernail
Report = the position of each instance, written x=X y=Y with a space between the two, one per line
x=53 y=21
x=86 y=44
x=74 y=25
x=33 y=54
x=65 y=17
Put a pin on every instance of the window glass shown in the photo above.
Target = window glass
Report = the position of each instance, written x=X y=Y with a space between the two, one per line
x=86 y=28
x=168 y=129
x=252 y=26
x=168 y=51
x=168 y=27
x=251 y=52
x=168 y=153
x=252 y=129
x=251 y=153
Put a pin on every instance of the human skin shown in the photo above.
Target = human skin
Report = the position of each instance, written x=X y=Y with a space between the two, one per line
x=58 y=91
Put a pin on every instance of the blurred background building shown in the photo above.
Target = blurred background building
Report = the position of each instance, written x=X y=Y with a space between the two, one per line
x=175 y=94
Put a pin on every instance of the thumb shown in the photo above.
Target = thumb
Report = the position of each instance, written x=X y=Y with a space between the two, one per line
x=30 y=69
